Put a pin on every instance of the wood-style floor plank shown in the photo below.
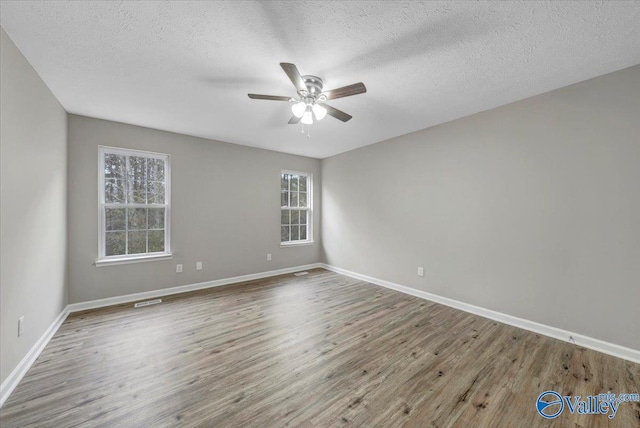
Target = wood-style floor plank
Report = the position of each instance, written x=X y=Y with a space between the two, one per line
x=317 y=350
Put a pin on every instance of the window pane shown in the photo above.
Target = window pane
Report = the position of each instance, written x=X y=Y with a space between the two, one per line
x=156 y=241
x=294 y=233
x=155 y=170
x=303 y=217
x=137 y=193
x=284 y=217
x=138 y=168
x=114 y=166
x=137 y=181
x=115 y=243
x=284 y=182
x=284 y=233
x=303 y=184
x=302 y=199
x=155 y=192
x=303 y=233
x=137 y=219
x=294 y=182
x=295 y=217
x=113 y=191
x=114 y=218
x=137 y=242
x=294 y=199
x=284 y=199
x=156 y=218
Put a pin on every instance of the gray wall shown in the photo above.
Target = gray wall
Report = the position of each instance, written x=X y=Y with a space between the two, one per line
x=531 y=209
x=225 y=210
x=33 y=206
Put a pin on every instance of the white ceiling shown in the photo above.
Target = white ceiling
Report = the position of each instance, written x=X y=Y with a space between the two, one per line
x=187 y=66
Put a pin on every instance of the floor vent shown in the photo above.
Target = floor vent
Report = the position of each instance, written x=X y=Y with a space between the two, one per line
x=301 y=273
x=147 y=303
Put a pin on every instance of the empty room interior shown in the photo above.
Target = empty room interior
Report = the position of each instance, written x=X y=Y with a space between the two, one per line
x=320 y=213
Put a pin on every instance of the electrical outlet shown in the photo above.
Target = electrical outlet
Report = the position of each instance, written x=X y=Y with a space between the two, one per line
x=269 y=257
x=198 y=265
x=420 y=271
x=20 y=326
x=178 y=268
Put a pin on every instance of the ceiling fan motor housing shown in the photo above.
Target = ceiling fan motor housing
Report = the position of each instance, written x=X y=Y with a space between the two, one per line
x=313 y=84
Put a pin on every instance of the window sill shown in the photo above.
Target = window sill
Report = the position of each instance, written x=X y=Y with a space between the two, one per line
x=296 y=244
x=126 y=260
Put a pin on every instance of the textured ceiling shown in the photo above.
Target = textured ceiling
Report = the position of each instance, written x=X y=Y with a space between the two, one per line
x=187 y=66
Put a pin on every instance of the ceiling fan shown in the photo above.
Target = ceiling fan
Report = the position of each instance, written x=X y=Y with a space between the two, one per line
x=310 y=100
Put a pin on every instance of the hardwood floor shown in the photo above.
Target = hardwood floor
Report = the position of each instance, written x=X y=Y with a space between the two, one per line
x=316 y=350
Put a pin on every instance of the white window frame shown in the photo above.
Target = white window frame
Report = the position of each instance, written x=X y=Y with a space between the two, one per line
x=104 y=260
x=309 y=209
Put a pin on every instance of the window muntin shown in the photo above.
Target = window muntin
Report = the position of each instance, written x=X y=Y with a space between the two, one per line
x=134 y=204
x=295 y=207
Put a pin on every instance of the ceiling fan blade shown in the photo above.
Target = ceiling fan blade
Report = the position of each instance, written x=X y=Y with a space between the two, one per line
x=346 y=91
x=338 y=114
x=294 y=119
x=268 y=97
x=294 y=75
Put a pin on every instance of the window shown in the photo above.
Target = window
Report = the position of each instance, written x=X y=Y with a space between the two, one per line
x=134 y=205
x=295 y=208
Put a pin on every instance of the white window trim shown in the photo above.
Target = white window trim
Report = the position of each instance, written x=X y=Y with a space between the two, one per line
x=296 y=243
x=133 y=258
x=309 y=240
x=118 y=260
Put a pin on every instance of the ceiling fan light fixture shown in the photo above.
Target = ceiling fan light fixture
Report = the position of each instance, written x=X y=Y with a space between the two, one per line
x=319 y=111
x=299 y=108
x=307 y=119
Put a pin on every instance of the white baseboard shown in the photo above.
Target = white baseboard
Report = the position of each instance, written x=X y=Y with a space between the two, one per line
x=18 y=373
x=110 y=301
x=21 y=369
x=557 y=333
